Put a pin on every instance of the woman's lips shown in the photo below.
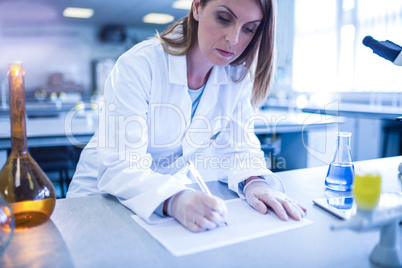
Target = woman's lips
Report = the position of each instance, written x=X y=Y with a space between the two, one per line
x=225 y=53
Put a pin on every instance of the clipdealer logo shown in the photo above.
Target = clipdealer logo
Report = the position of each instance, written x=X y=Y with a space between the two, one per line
x=135 y=134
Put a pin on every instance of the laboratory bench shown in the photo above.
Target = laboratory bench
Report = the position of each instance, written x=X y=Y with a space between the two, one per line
x=41 y=109
x=372 y=124
x=360 y=110
x=339 y=107
x=97 y=231
x=376 y=130
x=53 y=128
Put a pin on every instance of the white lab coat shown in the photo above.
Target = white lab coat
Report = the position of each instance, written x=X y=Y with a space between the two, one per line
x=145 y=135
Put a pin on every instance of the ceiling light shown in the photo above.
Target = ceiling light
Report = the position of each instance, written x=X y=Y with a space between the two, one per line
x=75 y=12
x=157 y=18
x=182 y=4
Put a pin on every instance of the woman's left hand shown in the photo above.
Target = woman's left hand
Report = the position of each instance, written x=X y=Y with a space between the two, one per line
x=261 y=197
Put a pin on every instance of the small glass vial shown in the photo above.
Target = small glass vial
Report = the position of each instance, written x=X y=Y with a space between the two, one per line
x=341 y=170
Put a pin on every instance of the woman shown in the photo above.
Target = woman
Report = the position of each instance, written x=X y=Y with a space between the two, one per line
x=186 y=96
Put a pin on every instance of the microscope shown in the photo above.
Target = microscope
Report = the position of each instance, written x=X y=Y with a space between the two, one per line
x=385 y=49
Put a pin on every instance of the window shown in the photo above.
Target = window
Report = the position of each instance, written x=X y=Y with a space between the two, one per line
x=328 y=52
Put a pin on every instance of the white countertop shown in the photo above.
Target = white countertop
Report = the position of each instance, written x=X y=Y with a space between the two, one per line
x=97 y=231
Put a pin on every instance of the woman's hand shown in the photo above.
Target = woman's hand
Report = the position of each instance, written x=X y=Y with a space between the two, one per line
x=197 y=211
x=261 y=197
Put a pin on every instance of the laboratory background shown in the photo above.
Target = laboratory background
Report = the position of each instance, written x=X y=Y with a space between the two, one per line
x=326 y=79
x=322 y=68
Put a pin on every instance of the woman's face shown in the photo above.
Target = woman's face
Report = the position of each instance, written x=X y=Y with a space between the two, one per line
x=225 y=28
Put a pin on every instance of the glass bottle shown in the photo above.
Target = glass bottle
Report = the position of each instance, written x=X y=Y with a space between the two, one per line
x=7 y=224
x=23 y=184
x=341 y=169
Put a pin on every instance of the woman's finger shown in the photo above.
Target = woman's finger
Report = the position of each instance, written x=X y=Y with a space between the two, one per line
x=257 y=204
x=300 y=208
x=292 y=211
x=216 y=218
x=276 y=206
x=194 y=227
x=205 y=223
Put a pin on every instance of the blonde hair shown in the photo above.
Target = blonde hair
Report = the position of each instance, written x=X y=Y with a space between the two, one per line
x=180 y=38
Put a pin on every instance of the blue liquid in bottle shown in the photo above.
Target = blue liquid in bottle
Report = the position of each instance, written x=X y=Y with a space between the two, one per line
x=341 y=170
x=340 y=177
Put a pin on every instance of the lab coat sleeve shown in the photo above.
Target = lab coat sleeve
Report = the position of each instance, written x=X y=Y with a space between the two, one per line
x=241 y=148
x=124 y=165
x=84 y=180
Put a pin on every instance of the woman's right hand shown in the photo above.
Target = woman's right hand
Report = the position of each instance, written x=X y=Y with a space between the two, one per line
x=197 y=211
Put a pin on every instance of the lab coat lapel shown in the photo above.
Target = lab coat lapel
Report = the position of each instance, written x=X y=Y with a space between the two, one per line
x=177 y=70
x=198 y=135
x=178 y=76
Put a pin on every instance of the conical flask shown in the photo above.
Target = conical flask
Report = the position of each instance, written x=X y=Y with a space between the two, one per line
x=23 y=184
x=341 y=169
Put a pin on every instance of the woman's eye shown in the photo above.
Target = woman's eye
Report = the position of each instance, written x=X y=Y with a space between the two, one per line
x=223 y=19
x=249 y=30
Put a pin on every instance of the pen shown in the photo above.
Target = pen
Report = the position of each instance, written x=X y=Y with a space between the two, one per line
x=199 y=180
x=194 y=172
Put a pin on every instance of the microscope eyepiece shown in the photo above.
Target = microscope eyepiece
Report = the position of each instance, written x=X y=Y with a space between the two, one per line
x=385 y=49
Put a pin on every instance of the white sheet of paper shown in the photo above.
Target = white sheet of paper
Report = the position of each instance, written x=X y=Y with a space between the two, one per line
x=244 y=224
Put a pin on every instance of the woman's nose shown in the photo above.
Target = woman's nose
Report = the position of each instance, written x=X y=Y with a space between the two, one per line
x=232 y=36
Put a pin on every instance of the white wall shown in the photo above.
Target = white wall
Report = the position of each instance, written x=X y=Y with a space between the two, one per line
x=69 y=49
